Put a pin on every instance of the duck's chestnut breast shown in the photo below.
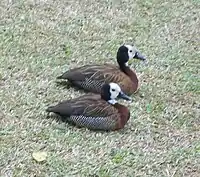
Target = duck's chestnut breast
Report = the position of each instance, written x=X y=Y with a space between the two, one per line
x=129 y=82
x=124 y=115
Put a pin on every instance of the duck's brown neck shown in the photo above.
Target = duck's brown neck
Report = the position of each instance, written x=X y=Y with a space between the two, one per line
x=129 y=72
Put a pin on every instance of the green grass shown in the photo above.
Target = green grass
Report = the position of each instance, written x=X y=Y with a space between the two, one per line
x=39 y=41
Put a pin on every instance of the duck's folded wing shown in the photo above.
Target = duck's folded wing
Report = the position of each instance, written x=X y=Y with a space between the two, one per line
x=66 y=108
x=80 y=73
x=87 y=105
x=102 y=73
x=99 y=116
x=88 y=111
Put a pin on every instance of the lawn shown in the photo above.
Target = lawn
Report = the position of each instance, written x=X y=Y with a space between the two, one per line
x=39 y=40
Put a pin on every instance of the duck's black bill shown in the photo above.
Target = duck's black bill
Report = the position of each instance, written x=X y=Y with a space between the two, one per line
x=139 y=56
x=124 y=96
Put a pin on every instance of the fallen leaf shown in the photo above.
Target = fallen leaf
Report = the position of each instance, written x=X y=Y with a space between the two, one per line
x=39 y=156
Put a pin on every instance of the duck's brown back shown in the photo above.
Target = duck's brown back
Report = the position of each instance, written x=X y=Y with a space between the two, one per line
x=88 y=111
x=92 y=77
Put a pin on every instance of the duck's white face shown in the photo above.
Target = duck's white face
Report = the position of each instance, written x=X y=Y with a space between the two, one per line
x=131 y=51
x=114 y=90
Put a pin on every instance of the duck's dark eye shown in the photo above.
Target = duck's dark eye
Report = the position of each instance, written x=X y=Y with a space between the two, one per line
x=113 y=90
x=130 y=51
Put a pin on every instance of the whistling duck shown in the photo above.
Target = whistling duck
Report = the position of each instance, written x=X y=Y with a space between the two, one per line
x=92 y=77
x=94 y=111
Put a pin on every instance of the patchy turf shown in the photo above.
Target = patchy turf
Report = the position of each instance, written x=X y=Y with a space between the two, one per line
x=41 y=39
